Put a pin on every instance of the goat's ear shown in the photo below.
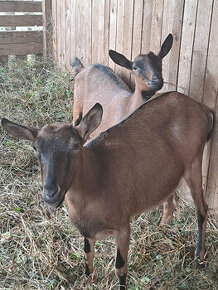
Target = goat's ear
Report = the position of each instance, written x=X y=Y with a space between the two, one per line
x=90 y=122
x=120 y=59
x=166 y=46
x=19 y=131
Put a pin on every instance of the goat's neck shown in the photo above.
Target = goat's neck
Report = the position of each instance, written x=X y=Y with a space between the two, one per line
x=86 y=171
x=136 y=99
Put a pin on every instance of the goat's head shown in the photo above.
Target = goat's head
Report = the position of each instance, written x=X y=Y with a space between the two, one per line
x=146 y=67
x=56 y=147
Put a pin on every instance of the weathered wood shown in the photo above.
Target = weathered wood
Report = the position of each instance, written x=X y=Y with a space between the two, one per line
x=47 y=27
x=54 y=29
x=98 y=8
x=211 y=99
x=172 y=23
x=146 y=27
x=137 y=33
x=20 y=6
x=59 y=33
x=106 y=30
x=63 y=33
x=156 y=25
x=21 y=20
x=188 y=30
x=127 y=35
x=120 y=32
x=20 y=37
x=88 y=33
x=73 y=30
x=21 y=48
x=200 y=48
x=67 y=38
x=113 y=29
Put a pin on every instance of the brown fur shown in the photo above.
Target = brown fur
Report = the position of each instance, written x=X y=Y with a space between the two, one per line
x=129 y=169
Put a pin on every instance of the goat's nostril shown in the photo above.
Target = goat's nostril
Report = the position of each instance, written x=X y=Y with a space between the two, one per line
x=50 y=190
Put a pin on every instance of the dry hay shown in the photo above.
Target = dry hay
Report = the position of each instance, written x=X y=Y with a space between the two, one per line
x=39 y=248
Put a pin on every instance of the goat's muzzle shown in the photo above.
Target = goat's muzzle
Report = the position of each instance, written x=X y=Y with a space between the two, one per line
x=53 y=196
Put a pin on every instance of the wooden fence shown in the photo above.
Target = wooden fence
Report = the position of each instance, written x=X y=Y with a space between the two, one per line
x=89 y=28
x=18 y=42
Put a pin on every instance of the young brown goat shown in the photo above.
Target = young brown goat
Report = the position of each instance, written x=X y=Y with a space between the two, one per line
x=99 y=84
x=128 y=169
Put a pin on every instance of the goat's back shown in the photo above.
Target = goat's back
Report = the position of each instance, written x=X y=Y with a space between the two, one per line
x=159 y=140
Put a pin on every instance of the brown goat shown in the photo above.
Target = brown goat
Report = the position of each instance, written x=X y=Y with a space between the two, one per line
x=128 y=169
x=99 y=84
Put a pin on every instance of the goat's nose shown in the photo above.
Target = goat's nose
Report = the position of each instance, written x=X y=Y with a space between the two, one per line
x=50 y=189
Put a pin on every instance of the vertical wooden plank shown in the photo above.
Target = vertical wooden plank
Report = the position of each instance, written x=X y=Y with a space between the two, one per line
x=211 y=99
x=87 y=6
x=63 y=33
x=113 y=29
x=54 y=29
x=120 y=32
x=106 y=31
x=146 y=28
x=47 y=26
x=172 y=23
x=67 y=38
x=156 y=25
x=128 y=35
x=79 y=30
x=58 y=33
x=188 y=30
x=199 y=57
x=137 y=34
x=137 y=28
x=98 y=8
x=72 y=30
x=200 y=47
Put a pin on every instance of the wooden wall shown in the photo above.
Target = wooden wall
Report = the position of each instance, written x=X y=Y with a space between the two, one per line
x=89 y=28
x=21 y=25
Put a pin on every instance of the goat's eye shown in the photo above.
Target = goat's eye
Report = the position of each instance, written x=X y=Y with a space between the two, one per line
x=76 y=146
x=135 y=68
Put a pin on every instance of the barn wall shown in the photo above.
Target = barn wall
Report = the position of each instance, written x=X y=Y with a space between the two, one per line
x=89 y=28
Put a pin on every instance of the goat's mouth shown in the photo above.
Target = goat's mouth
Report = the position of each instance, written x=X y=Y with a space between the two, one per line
x=55 y=201
x=155 y=86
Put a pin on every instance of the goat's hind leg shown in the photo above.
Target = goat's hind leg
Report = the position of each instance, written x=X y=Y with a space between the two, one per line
x=193 y=177
x=169 y=207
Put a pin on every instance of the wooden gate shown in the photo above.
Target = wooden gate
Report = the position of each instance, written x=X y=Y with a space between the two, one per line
x=24 y=27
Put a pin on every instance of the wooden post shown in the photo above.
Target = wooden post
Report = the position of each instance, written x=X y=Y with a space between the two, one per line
x=47 y=27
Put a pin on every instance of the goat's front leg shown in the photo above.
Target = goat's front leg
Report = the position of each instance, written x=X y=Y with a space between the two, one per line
x=89 y=250
x=122 y=240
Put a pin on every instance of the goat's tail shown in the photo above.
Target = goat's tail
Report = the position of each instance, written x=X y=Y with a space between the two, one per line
x=212 y=124
x=77 y=65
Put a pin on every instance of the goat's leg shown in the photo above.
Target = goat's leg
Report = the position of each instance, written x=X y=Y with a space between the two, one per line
x=169 y=207
x=193 y=178
x=122 y=241
x=89 y=250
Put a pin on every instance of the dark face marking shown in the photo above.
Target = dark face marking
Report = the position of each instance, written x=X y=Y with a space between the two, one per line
x=87 y=248
x=55 y=149
x=201 y=220
x=149 y=68
x=119 y=260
